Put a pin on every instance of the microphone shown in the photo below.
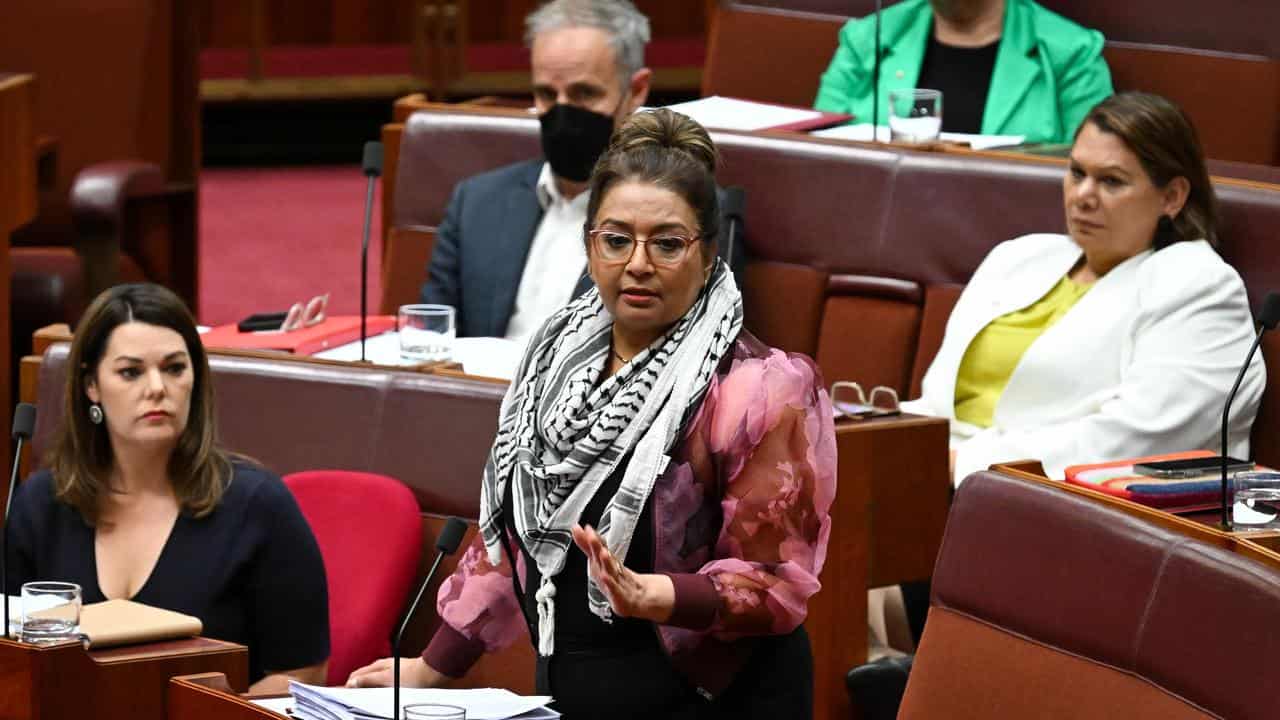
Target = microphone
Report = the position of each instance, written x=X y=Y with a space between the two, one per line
x=1267 y=320
x=372 y=169
x=734 y=208
x=24 y=422
x=875 y=82
x=446 y=544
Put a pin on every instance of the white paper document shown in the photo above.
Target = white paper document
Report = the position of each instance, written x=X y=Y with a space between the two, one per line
x=730 y=114
x=862 y=132
x=280 y=706
x=492 y=357
x=320 y=703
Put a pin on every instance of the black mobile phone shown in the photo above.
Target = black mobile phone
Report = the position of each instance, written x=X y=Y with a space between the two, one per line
x=262 y=321
x=1190 y=467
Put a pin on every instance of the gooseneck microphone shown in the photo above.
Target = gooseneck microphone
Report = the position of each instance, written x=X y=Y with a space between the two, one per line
x=1267 y=320
x=875 y=82
x=24 y=423
x=373 y=170
x=446 y=544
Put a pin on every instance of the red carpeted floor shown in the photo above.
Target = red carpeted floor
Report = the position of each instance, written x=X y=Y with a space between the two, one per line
x=275 y=236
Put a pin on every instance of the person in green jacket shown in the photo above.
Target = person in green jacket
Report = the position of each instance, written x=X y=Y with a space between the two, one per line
x=1005 y=67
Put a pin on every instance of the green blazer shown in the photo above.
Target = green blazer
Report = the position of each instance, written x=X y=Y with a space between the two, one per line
x=1049 y=71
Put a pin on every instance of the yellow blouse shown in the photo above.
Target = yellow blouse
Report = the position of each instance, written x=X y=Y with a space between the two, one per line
x=991 y=358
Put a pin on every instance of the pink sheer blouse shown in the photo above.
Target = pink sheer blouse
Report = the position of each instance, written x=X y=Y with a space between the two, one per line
x=741 y=524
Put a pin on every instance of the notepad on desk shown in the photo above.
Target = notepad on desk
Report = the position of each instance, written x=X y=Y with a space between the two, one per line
x=862 y=133
x=725 y=113
x=116 y=622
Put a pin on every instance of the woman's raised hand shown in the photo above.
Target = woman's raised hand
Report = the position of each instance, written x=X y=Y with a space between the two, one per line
x=648 y=596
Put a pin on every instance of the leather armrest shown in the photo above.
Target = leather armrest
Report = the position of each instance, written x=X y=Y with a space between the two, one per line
x=99 y=194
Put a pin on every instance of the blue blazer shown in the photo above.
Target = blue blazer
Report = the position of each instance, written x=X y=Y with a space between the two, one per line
x=483 y=243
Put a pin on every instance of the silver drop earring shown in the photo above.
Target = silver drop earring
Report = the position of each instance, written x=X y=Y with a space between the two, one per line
x=95 y=414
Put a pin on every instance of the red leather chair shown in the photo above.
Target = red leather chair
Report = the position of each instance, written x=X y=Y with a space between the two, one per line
x=369 y=529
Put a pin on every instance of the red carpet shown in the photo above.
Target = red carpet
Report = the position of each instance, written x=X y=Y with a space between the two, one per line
x=273 y=237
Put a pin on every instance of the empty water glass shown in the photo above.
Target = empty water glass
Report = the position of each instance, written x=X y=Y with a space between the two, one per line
x=434 y=711
x=1255 y=500
x=915 y=116
x=50 y=611
x=426 y=332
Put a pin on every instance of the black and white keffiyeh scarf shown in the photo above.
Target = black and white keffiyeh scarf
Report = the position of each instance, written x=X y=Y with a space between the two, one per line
x=562 y=432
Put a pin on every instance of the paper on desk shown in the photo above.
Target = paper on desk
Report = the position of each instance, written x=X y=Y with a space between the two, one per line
x=480 y=703
x=862 y=132
x=485 y=356
x=281 y=705
x=730 y=114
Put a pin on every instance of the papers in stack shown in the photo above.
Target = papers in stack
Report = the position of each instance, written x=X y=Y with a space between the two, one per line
x=862 y=133
x=730 y=114
x=320 y=703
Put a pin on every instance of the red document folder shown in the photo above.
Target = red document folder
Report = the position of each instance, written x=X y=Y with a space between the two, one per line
x=332 y=332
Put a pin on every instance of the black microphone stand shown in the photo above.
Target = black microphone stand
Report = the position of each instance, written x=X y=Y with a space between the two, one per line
x=446 y=544
x=1268 y=318
x=875 y=82
x=372 y=169
x=24 y=421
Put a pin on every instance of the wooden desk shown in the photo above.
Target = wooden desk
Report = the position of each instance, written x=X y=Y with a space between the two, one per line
x=17 y=207
x=892 y=496
x=1263 y=546
x=66 y=682
x=207 y=696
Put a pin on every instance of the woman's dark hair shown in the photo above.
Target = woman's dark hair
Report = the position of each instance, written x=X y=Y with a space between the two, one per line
x=82 y=457
x=669 y=150
x=1165 y=141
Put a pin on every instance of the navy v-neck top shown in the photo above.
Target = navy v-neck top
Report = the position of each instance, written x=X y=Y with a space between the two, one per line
x=250 y=570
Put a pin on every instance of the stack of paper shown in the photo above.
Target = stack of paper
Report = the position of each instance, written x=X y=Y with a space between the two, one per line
x=484 y=356
x=732 y=114
x=319 y=703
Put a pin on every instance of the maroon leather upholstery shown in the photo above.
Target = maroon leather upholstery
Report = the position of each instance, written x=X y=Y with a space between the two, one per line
x=1085 y=595
x=850 y=244
x=409 y=426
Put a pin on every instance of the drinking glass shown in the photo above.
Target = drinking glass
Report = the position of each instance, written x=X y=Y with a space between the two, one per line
x=426 y=332
x=1255 y=500
x=434 y=711
x=50 y=611
x=915 y=116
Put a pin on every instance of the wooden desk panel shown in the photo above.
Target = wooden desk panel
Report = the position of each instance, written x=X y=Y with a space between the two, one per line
x=66 y=682
x=207 y=697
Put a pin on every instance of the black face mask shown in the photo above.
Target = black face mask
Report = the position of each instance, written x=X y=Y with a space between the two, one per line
x=573 y=139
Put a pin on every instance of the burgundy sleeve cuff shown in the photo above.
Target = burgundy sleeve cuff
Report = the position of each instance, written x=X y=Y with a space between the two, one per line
x=451 y=652
x=696 y=603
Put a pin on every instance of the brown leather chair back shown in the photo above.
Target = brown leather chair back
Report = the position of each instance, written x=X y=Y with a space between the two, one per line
x=1049 y=604
x=771 y=54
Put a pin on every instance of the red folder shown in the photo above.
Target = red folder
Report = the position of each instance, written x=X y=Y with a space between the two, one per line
x=332 y=332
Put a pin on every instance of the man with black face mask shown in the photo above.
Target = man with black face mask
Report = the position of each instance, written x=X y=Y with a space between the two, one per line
x=510 y=249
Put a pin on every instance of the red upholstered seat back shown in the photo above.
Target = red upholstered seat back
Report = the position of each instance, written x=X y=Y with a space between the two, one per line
x=370 y=534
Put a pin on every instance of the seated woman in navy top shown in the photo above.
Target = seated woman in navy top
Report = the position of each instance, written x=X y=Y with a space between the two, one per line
x=139 y=503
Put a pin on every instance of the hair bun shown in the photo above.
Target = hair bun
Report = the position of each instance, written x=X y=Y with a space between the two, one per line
x=666 y=129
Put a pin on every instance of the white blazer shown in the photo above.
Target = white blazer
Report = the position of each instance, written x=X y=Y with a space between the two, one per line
x=1140 y=365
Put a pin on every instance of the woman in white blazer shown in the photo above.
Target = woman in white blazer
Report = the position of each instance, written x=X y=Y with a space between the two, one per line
x=1119 y=339
x=1140 y=359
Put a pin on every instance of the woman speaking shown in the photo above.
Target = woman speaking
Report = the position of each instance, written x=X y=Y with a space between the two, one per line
x=660 y=478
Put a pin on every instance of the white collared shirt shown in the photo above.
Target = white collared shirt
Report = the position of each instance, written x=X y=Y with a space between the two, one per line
x=556 y=259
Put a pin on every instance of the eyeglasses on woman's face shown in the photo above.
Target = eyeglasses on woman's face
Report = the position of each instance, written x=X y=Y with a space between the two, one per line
x=616 y=246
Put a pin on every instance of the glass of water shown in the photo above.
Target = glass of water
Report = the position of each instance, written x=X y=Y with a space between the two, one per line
x=915 y=116
x=426 y=332
x=434 y=711
x=50 y=611
x=1255 y=500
